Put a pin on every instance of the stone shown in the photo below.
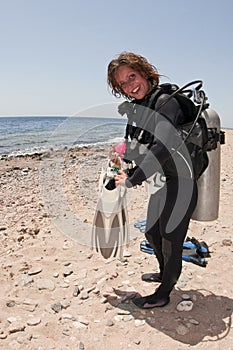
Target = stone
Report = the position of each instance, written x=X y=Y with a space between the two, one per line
x=139 y=323
x=16 y=327
x=82 y=320
x=182 y=330
x=79 y=325
x=185 y=305
x=127 y=254
x=29 y=305
x=193 y=321
x=81 y=346
x=57 y=307
x=118 y=318
x=33 y=321
x=65 y=304
x=3 y=335
x=34 y=270
x=185 y=297
x=12 y=319
x=127 y=318
x=83 y=295
x=25 y=279
x=67 y=272
x=131 y=273
x=76 y=291
x=66 y=317
x=10 y=303
x=109 y=323
x=122 y=311
x=45 y=283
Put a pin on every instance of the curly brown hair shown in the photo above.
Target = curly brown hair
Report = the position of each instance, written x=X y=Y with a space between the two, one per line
x=136 y=62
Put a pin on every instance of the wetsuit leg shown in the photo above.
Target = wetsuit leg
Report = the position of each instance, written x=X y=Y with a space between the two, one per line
x=153 y=234
x=175 y=205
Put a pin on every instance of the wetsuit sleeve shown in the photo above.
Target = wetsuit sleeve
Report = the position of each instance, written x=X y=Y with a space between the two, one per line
x=165 y=139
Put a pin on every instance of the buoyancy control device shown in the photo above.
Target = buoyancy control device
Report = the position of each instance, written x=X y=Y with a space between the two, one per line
x=202 y=134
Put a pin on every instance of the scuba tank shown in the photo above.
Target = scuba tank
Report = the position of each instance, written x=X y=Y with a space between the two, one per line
x=209 y=182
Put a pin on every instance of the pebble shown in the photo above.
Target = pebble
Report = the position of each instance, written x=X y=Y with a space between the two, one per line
x=66 y=332
x=127 y=254
x=195 y=322
x=76 y=291
x=34 y=271
x=57 y=307
x=131 y=273
x=104 y=300
x=12 y=319
x=45 y=283
x=25 y=279
x=67 y=272
x=10 y=303
x=182 y=330
x=16 y=327
x=67 y=245
x=65 y=304
x=102 y=280
x=185 y=297
x=185 y=305
x=3 y=335
x=122 y=311
x=109 y=323
x=79 y=325
x=66 y=317
x=84 y=295
x=118 y=318
x=33 y=321
x=227 y=242
x=96 y=290
x=81 y=346
x=125 y=282
x=139 y=323
x=128 y=318
x=29 y=305
x=83 y=320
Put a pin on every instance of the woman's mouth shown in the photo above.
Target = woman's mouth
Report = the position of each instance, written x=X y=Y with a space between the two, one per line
x=135 y=90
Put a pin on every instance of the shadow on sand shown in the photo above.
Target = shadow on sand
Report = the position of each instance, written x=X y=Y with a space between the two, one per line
x=208 y=321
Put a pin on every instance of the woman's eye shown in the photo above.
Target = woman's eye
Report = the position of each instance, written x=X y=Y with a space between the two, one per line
x=132 y=76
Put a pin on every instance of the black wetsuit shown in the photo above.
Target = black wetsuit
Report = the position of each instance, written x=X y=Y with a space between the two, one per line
x=171 y=207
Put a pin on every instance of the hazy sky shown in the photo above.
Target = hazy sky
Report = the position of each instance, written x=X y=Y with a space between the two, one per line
x=54 y=53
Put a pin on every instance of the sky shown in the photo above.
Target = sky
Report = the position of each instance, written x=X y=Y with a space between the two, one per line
x=54 y=53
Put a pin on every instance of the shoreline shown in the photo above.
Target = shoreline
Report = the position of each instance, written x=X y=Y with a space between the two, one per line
x=57 y=293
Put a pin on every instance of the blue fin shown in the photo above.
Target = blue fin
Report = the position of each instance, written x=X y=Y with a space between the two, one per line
x=191 y=252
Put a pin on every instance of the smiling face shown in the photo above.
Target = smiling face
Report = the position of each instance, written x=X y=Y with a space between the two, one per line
x=132 y=82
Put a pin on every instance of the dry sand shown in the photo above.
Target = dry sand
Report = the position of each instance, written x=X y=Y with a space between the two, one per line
x=56 y=293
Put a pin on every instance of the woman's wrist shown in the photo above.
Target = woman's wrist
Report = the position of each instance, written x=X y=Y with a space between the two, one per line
x=128 y=183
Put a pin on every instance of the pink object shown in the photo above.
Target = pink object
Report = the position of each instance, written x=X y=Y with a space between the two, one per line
x=120 y=148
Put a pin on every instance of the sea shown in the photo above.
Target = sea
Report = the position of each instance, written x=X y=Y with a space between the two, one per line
x=35 y=134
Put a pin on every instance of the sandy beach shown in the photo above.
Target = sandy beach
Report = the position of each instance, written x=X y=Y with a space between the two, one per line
x=57 y=293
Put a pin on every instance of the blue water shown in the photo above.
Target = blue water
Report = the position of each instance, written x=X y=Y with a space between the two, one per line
x=29 y=135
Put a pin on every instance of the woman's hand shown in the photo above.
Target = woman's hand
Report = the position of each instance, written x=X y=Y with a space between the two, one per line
x=120 y=178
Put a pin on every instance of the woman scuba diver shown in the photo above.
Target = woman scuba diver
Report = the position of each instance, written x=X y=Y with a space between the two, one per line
x=152 y=140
